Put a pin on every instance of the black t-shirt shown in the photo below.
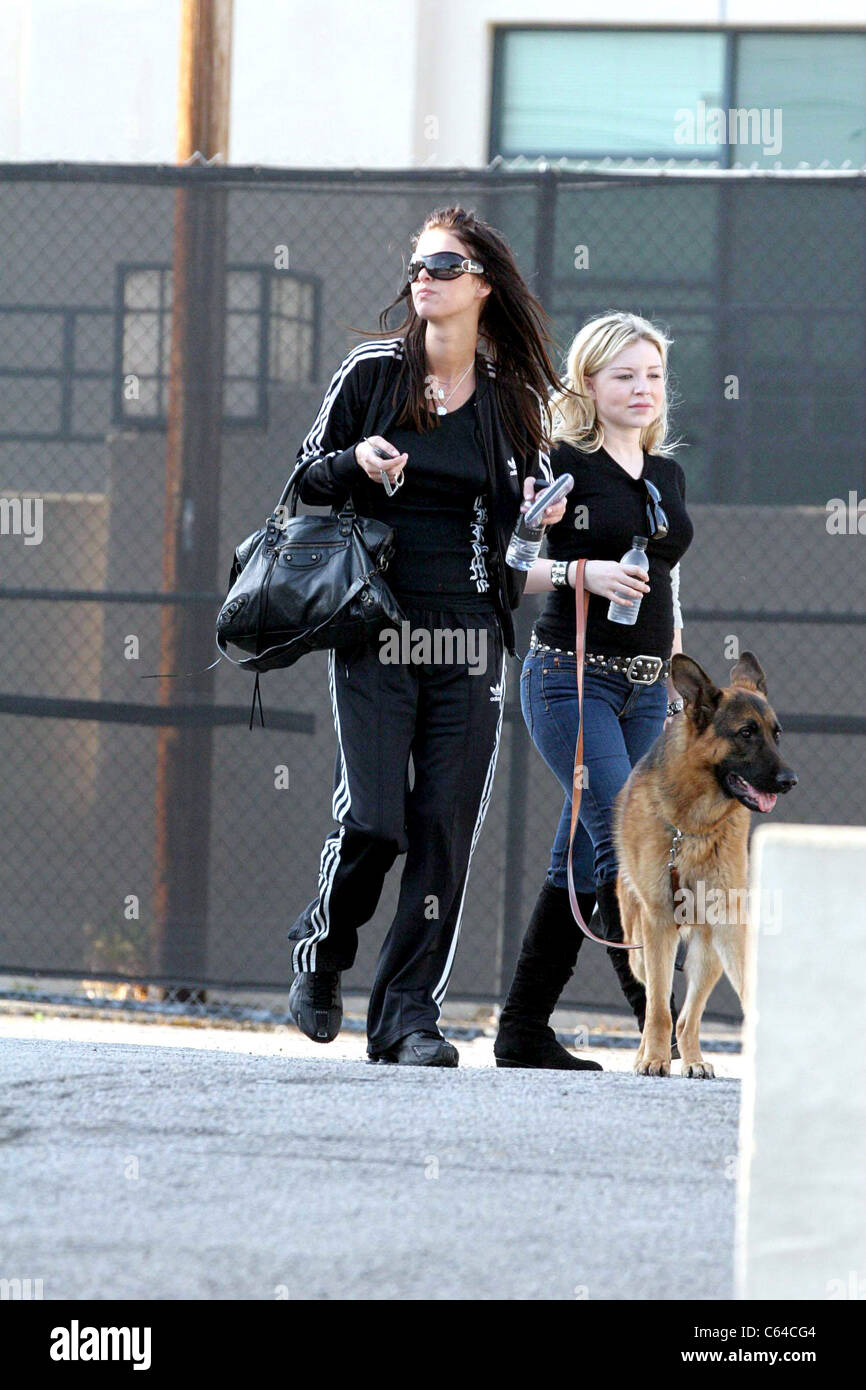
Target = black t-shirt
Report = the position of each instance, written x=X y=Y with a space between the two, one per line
x=439 y=515
x=615 y=511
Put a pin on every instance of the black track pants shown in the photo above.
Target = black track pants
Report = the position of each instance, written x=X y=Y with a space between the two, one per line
x=450 y=720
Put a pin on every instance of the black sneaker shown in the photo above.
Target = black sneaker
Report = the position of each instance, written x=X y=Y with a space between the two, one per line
x=420 y=1049
x=316 y=1004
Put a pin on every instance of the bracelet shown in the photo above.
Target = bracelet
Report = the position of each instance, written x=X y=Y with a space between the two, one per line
x=675 y=707
x=559 y=574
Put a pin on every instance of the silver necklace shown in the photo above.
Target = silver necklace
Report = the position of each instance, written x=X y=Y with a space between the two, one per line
x=442 y=408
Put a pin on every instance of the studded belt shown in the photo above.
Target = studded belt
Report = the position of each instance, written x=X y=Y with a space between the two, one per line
x=640 y=670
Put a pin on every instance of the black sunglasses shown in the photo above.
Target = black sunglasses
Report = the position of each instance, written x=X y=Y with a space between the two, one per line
x=444 y=265
x=655 y=513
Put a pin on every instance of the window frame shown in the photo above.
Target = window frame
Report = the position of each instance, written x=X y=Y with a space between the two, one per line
x=720 y=156
x=266 y=311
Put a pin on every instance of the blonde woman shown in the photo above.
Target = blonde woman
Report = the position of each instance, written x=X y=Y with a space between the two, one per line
x=611 y=434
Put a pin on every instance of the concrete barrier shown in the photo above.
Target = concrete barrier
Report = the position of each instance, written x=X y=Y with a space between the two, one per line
x=801 y=1201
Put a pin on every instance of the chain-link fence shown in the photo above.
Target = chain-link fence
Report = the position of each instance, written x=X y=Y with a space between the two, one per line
x=148 y=835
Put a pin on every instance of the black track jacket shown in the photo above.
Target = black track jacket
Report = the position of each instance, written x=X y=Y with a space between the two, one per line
x=357 y=405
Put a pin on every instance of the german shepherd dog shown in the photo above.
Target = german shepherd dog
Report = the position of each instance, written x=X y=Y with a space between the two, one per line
x=703 y=775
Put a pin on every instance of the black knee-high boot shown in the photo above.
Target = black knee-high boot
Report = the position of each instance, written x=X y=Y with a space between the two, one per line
x=546 y=962
x=634 y=991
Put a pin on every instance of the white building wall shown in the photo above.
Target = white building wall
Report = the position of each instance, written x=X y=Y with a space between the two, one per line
x=315 y=83
x=88 y=79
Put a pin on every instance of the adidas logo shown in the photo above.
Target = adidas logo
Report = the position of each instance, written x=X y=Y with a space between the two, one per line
x=496 y=691
x=512 y=466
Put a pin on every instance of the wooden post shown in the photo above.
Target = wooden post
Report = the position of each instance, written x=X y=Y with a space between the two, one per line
x=192 y=483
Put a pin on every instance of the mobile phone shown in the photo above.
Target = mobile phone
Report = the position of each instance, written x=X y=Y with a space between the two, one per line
x=390 y=488
x=552 y=492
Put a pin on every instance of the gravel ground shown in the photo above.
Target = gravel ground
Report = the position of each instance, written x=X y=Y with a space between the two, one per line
x=150 y=1161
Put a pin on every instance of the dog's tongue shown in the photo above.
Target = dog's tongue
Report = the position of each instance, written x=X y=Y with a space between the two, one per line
x=766 y=800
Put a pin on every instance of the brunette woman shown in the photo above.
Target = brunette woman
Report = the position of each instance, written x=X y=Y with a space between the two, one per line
x=438 y=428
x=611 y=434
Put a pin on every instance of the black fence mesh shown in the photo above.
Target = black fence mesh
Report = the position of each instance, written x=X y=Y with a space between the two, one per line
x=146 y=831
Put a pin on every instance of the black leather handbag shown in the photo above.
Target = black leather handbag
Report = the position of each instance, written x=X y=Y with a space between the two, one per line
x=310 y=583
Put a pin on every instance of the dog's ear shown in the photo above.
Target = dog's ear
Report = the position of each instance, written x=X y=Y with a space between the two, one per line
x=700 y=694
x=748 y=673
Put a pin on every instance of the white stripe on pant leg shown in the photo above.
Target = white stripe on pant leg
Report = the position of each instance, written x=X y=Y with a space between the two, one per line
x=439 y=991
x=305 y=952
x=341 y=799
x=327 y=862
x=322 y=920
x=330 y=858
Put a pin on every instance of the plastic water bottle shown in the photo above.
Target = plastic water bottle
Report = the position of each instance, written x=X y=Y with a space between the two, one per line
x=627 y=612
x=525 y=544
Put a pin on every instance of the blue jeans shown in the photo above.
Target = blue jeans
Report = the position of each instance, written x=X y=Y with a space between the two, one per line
x=621 y=721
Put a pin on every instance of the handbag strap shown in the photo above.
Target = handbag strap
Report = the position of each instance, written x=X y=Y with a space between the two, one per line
x=293 y=485
x=581 y=599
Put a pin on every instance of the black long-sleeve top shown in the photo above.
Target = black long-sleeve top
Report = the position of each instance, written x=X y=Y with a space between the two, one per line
x=612 y=511
x=439 y=514
x=360 y=402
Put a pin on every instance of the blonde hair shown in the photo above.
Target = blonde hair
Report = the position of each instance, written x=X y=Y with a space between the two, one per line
x=574 y=414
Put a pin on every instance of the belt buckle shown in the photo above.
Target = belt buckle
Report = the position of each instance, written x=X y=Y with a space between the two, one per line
x=643 y=680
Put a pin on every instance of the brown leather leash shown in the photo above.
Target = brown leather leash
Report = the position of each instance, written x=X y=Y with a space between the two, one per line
x=581 y=599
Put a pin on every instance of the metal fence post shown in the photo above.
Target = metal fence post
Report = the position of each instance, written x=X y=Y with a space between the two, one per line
x=520 y=750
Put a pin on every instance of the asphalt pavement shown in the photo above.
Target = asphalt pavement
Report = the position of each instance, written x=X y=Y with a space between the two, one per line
x=146 y=1170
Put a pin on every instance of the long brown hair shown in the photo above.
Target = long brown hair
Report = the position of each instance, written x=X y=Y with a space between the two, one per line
x=513 y=324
